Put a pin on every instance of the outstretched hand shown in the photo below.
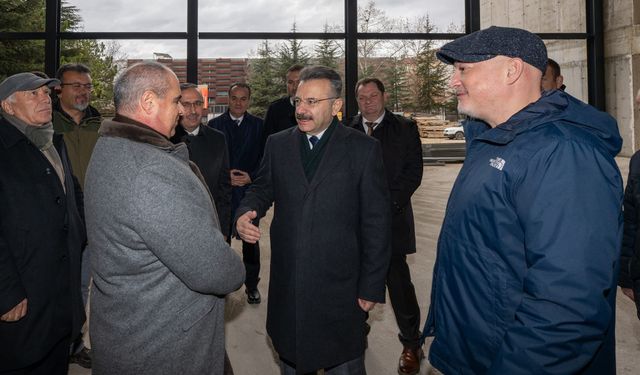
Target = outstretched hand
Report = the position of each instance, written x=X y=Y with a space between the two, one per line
x=247 y=231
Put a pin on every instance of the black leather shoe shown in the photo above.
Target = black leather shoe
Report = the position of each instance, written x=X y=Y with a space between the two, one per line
x=82 y=358
x=253 y=296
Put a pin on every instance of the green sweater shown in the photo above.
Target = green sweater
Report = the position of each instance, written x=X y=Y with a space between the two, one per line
x=79 y=139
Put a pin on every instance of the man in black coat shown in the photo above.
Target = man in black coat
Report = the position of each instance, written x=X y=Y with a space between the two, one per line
x=629 y=279
x=208 y=149
x=243 y=133
x=402 y=154
x=281 y=113
x=41 y=234
x=330 y=232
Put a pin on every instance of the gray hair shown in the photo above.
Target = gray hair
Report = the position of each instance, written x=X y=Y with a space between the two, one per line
x=134 y=81
x=189 y=85
x=323 y=72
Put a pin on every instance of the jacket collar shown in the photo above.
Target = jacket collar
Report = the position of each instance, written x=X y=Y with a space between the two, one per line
x=124 y=127
x=89 y=112
x=9 y=134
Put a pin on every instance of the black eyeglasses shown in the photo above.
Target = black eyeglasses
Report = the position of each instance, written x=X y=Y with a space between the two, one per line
x=76 y=85
x=311 y=102
x=194 y=105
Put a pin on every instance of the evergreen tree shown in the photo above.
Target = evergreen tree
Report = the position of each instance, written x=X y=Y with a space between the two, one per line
x=18 y=56
x=327 y=51
x=290 y=53
x=27 y=55
x=266 y=83
x=396 y=85
x=431 y=81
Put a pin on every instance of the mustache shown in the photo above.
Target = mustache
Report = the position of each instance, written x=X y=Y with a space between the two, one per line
x=302 y=116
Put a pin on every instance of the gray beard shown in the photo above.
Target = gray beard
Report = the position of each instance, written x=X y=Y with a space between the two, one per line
x=81 y=107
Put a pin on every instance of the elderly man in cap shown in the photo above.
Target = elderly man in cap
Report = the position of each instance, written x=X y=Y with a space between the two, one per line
x=525 y=277
x=41 y=234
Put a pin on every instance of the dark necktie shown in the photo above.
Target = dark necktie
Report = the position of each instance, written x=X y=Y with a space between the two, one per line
x=237 y=121
x=370 y=126
x=313 y=140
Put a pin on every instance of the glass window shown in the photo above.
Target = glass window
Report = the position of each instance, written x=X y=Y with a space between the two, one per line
x=106 y=57
x=23 y=16
x=408 y=16
x=122 y=15
x=260 y=63
x=17 y=56
x=541 y=16
x=272 y=16
x=416 y=82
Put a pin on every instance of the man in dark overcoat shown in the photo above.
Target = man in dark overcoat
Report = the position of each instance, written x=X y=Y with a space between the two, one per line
x=330 y=232
x=243 y=133
x=208 y=149
x=281 y=113
x=402 y=155
x=41 y=234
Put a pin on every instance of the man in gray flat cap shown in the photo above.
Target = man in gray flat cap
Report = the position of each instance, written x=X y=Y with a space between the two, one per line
x=525 y=277
x=41 y=234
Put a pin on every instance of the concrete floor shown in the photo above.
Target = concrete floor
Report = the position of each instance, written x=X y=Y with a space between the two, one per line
x=249 y=346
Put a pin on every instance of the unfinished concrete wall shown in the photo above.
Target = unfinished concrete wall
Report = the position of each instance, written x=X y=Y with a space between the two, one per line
x=622 y=50
x=622 y=68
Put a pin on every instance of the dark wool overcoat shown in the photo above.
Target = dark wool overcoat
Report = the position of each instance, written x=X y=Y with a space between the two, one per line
x=41 y=236
x=330 y=244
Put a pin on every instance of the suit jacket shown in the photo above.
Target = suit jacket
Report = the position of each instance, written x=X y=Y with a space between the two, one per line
x=41 y=236
x=209 y=151
x=280 y=115
x=160 y=264
x=402 y=154
x=329 y=244
x=245 y=149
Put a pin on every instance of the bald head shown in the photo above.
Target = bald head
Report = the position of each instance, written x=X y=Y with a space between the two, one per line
x=149 y=92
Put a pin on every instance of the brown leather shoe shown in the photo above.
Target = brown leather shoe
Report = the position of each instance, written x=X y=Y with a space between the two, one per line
x=410 y=361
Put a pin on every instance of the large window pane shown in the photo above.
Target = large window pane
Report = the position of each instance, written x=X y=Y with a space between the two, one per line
x=272 y=16
x=22 y=16
x=123 y=15
x=262 y=64
x=416 y=82
x=538 y=16
x=17 y=56
x=408 y=16
x=106 y=57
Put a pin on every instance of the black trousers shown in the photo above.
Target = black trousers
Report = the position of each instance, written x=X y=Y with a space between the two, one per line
x=403 y=301
x=56 y=362
x=251 y=260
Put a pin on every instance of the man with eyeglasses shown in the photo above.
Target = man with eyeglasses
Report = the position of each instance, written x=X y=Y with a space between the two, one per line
x=330 y=234
x=78 y=122
x=208 y=149
x=402 y=154
x=243 y=133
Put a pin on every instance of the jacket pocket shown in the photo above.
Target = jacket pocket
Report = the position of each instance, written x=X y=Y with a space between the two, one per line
x=194 y=312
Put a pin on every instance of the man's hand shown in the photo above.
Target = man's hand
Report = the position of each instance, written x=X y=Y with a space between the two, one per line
x=365 y=305
x=247 y=231
x=628 y=292
x=16 y=313
x=239 y=178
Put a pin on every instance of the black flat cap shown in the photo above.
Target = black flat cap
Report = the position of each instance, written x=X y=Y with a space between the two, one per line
x=496 y=41
x=24 y=82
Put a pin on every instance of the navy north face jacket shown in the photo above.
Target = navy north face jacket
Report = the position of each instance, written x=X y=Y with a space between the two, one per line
x=527 y=264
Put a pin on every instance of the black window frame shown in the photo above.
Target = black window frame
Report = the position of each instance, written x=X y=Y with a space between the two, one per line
x=52 y=36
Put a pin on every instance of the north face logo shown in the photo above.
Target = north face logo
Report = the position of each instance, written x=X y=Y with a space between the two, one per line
x=497 y=163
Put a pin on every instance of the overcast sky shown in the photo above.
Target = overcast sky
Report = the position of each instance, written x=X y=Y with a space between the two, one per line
x=244 y=16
